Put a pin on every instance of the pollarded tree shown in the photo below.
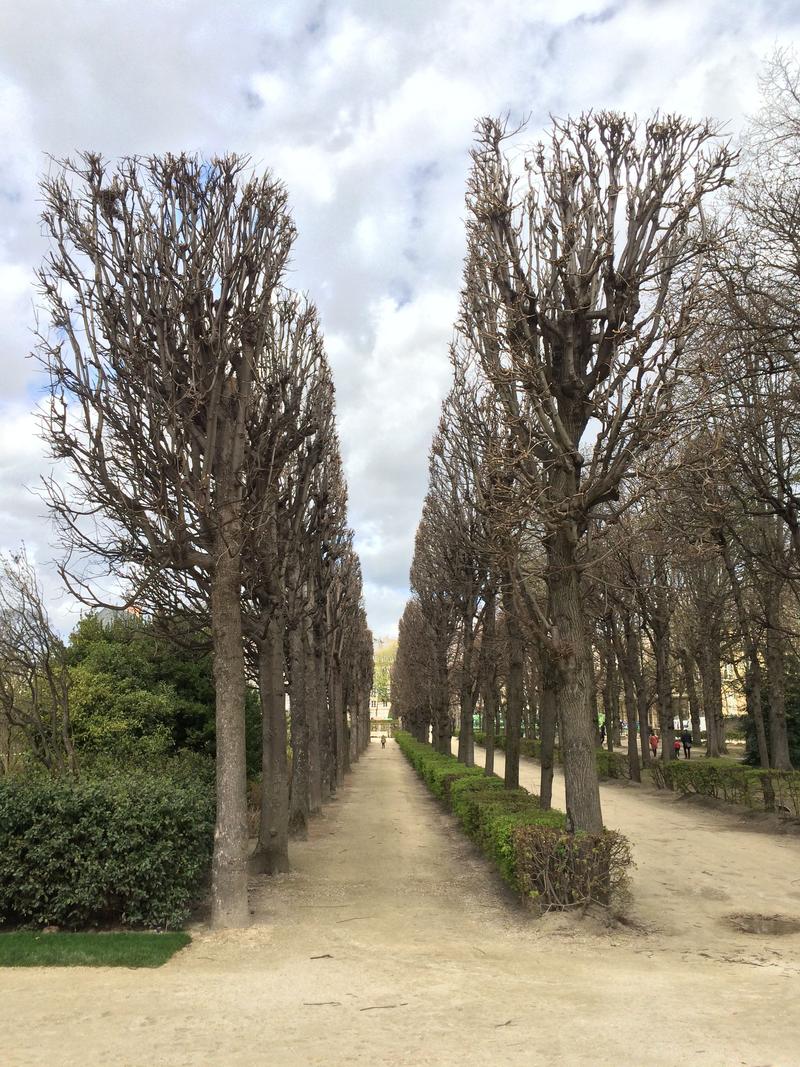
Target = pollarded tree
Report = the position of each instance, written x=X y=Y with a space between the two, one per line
x=289 y=426
x=581 y=284
x=158 y=285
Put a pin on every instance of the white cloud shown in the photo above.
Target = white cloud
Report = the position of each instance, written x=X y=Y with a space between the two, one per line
x=366 y=109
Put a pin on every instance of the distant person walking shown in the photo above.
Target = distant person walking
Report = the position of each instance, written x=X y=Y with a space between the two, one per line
x=383 y=742
x=676 y=747
x=653 y=743
x=686 y=741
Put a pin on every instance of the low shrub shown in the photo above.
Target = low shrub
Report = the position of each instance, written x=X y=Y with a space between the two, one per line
x=131 y=848
x=735 y=783
x=612 y=764
x=532 y=849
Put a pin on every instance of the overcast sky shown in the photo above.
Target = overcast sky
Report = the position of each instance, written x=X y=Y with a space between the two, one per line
x=366 y=110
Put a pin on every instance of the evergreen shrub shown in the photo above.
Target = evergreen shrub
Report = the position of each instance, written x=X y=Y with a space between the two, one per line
x=533 y=849
x=132 y=848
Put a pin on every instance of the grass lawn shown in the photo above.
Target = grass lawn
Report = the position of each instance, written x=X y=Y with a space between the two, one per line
x=28 y=948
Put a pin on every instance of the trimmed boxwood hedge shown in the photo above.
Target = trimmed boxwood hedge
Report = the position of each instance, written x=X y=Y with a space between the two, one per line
x=609 y=764
x=736 y=783
x=532 y=849
x=133 y=848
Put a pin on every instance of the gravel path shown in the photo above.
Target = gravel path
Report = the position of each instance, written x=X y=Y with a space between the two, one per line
x=393 y=943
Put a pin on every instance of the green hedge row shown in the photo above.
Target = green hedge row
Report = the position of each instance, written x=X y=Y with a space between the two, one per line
x=532 y=849
x=609 y=764
x=132 y=848
x=753 y=787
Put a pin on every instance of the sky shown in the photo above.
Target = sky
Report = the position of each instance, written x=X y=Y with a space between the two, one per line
x=366 y=109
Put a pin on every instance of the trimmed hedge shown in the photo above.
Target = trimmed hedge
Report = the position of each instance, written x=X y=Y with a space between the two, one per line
x=609 y=764
x=132 y=848
x=736 y=783
x=532 y=849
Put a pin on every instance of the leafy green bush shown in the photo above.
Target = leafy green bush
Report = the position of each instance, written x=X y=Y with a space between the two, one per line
x=133 y=848
x=137 y=696
x=531 y=848
x=735 y=783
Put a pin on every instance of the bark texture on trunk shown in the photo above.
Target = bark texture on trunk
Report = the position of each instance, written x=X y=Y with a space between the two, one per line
x=272 y=856
x=776 y=680
x=577 y=720
x=710 y=653
x=229 y=906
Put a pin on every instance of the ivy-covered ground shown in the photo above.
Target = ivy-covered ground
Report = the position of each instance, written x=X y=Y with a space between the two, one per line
x=394 y=942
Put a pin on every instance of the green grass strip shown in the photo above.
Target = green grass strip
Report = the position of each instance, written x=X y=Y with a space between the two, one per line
x=31 y=948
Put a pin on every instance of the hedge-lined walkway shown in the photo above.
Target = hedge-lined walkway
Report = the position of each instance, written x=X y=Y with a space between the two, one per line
x=394 y=943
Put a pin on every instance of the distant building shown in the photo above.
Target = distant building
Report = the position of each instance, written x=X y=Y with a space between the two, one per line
x=381 y=722
x=108 y=616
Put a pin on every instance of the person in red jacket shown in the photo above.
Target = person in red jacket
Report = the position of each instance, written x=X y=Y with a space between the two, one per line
x=653 y=742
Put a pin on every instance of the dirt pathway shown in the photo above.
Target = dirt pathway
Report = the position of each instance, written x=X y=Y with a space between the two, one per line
x=393 y=943
x=696 y=866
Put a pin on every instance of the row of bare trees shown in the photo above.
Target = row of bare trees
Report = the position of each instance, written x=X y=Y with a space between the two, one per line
x=612 y=511
x=192 y=404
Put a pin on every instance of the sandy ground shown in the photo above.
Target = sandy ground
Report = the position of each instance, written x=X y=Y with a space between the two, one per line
x=392 y=942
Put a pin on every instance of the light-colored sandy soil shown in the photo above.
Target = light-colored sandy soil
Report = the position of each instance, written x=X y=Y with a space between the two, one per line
x=423 y=959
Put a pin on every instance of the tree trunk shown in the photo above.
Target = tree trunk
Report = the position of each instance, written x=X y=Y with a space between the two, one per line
x=710 y=655
x=466 y=742
x=315 y=696
x=666 y=709
x=272 y=855
x=229 y=906
x=753 y=686
x=337 y=716
x=628 y=672
x=514 y=683
x=298 y=706
x=755 y=707
x=547 y=728
x=571 y=647
x=687 y=665
x=776 y=680
x=634 y=663
x=490 y=695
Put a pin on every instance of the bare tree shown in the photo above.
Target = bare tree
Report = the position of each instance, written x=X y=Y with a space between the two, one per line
x=158 y=285
x=581 y=285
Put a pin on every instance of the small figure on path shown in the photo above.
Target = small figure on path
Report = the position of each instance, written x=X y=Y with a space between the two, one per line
x=653 y=742
x=686 y=741
x=676 y=745
x=602 y=733
x=383 y=742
